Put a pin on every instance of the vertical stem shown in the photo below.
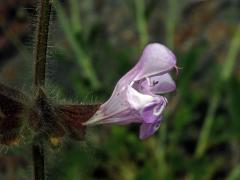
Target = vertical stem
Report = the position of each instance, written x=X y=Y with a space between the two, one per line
x=39 y=80
x=41 y=47
x=38 y=160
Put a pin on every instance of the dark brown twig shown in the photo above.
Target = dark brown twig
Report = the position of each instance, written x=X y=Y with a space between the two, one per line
x=41 y=47
x=38 y=159
x=39 y=80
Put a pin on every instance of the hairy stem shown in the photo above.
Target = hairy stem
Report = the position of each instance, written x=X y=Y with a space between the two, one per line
x=39 y=80
x=41 y=43
x=38 y=160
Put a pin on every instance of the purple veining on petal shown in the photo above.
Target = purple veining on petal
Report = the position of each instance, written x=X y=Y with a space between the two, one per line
x=147 y=113
x=148 y=129
x=152 y=112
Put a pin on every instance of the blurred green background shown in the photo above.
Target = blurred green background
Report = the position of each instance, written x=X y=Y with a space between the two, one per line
x=92 y=44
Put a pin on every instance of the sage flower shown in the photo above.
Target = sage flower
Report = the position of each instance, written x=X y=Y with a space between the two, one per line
x=136 y=98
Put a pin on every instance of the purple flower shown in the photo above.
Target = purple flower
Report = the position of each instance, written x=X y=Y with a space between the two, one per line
x=136 y=98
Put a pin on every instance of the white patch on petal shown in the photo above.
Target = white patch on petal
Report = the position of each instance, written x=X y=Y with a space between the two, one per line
x=157 y=111
x=136 y=99
x=156 y=126
x=148 y=81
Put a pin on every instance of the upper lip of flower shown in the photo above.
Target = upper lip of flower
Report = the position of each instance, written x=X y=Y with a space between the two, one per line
x=139 y=78
x=155 y=60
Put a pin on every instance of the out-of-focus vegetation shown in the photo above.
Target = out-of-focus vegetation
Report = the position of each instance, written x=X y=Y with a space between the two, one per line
x=92 y=44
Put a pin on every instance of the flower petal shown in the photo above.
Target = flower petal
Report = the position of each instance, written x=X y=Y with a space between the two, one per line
x=165 y=60
x=152 y=112
x=121 y=108
x=127 y=116
x=134 y=98
x=138 y=100
x=158 y=84
x=148 y=129
x=156 y=59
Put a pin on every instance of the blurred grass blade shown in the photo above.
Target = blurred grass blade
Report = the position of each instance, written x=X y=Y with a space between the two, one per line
x=232 y=55
x=227 y=69
x=208 y=122
x=161 y=152
x=141 y=22
x=170 y=21
x=234 y=174
x=75 y=15
x=233 y=104
x=83 y=59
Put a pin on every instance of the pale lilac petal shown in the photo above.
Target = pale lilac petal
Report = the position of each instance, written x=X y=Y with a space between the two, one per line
x=122 y=118
x=122 y=108
x=156 y=59
x=149 y=112
x=118 y=98
x=148 y=115
x=148 y=129
x=158 y=84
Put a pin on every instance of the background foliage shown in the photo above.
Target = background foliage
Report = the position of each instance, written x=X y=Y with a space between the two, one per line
x=92 y=44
